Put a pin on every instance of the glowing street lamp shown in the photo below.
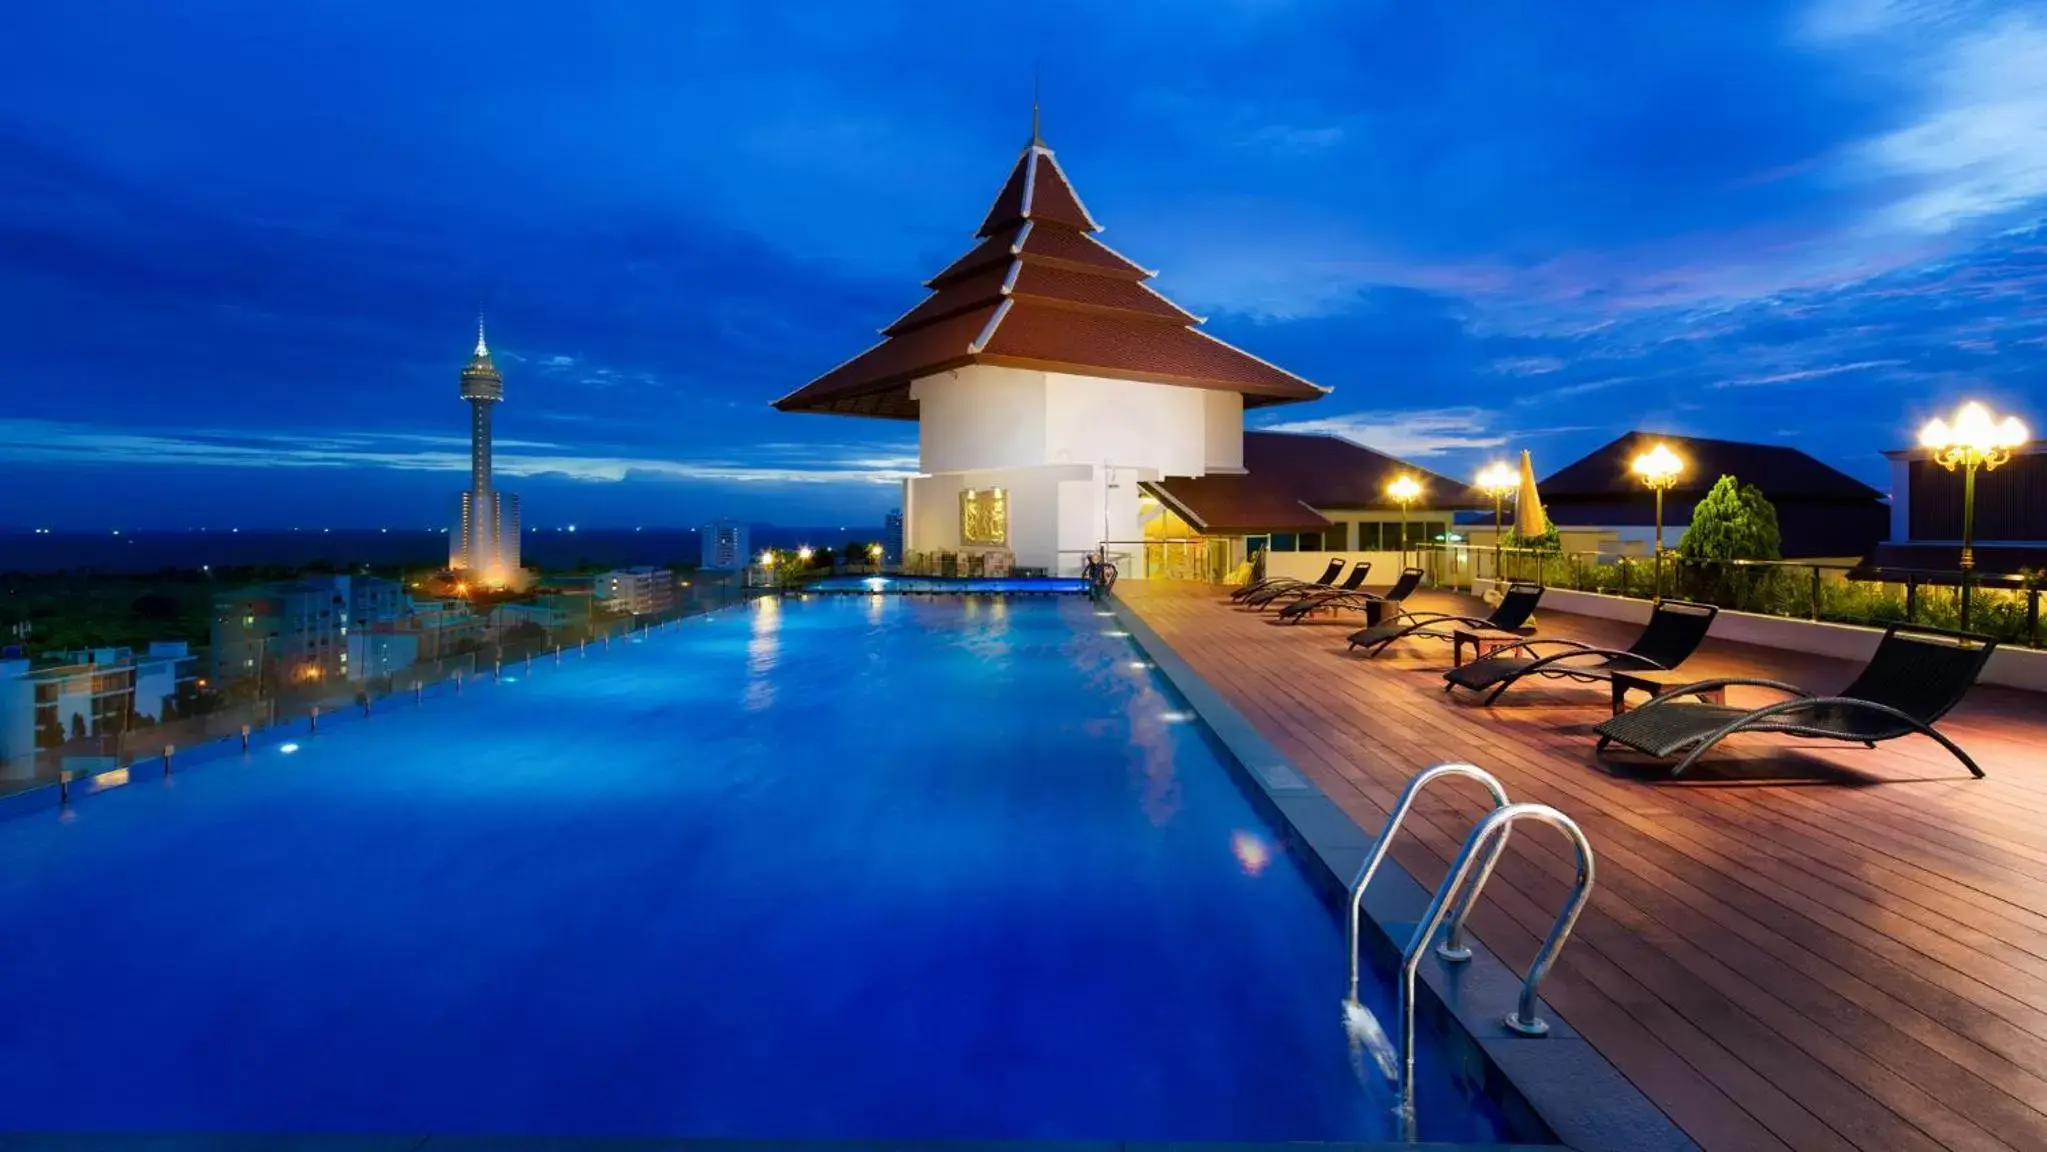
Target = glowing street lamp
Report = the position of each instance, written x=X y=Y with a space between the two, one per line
x=1975 y=439
x=1496 y=480
x=874 y=553
x=1659 y=468
x=1404 y=490
x=804 y=553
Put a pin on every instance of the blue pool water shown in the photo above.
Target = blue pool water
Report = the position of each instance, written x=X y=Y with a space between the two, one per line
x=949 y=584
x=846 y=867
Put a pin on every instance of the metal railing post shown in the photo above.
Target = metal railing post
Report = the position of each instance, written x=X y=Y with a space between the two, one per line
x=1815 y=592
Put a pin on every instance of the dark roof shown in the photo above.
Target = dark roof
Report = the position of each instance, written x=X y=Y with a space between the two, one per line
x=1782 y=472
x=1039 y=292
x=1288 y=475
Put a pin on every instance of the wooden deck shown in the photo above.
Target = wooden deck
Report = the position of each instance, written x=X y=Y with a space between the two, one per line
x=1810 y=947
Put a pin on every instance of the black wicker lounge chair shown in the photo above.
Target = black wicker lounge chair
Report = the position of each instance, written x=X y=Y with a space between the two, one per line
x=1352 y=583
x=1674 y=632
x=1270 y=583
x=1335 y=599
x=1511 y=614
x=1915 y=677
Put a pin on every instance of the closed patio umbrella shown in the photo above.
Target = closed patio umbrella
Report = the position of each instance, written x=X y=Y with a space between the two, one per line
x=1529 y=522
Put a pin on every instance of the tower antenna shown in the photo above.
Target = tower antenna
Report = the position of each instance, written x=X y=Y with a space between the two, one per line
x=1036 y=140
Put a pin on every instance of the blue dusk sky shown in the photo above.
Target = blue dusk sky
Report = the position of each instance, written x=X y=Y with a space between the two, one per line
x=242 y=243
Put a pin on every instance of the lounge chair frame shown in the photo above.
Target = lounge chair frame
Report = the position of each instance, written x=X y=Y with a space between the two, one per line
x=1352 y=580
x=1336 y=599
x=1424 y=625
x=1328 y=578
x=1552 y=666
x=1782 y=717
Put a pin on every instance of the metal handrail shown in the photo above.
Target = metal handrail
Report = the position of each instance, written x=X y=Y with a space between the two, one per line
x=1477 y=849
x=1453 y=947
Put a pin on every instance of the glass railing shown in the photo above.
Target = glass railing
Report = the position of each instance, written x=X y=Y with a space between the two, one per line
x=2006 y=607
x=206 y=719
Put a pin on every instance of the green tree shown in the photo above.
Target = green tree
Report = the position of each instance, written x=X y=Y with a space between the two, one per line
x=1734 y=522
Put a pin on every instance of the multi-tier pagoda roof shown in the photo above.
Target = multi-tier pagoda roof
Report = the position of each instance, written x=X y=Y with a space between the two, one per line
x=1040 y=292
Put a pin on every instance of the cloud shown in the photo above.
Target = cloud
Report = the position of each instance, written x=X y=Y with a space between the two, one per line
x=1528 y=365
x=1804 y=374
x=1291 y=138
x=1406 y=434
x=1973 y=147
x=49 y=442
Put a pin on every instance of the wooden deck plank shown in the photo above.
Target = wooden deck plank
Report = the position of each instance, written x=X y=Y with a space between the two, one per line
x=1806 y=947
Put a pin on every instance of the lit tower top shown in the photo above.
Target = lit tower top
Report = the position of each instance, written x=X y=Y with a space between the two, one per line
x=482 y=386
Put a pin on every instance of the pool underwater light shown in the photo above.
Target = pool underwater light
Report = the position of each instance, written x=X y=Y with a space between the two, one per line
x=287 y=747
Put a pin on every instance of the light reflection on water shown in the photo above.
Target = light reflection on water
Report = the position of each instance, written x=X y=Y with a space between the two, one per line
x=762 y=653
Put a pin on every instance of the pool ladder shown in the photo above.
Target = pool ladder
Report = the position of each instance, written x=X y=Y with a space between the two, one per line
x=1456 y=896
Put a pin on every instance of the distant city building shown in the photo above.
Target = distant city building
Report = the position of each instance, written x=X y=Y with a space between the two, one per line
x=299 y=630
x=726 y=546
x=96 y=692
x=485 y=540
x=892 y=534
x=636 y=591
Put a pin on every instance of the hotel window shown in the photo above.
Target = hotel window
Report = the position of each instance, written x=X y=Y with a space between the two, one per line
x=1311 y=541
x=1283 y=542
x=984 y=516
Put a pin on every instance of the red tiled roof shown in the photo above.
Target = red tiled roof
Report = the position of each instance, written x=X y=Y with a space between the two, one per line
x=1229 y=505
x=1078 y=250
x=979 y=290
x=1082 y=289
x=1040 y=335
x=876 y=382
x=995 y=250
x=1286 y=474
x=1036 y=190
x=1039 y=292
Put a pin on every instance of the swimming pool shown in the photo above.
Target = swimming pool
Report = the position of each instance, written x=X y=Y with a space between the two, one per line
x=949 y=584
x=867 y=868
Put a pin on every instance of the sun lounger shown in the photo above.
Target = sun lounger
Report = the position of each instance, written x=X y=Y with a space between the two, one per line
x=1258 y=587
x=1674 y=631
x=1511 y=614
x=1352 y=582
x=1915 y=677
x=1335 y=599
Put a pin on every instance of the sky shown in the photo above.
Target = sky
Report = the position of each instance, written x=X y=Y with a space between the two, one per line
x=243 y=244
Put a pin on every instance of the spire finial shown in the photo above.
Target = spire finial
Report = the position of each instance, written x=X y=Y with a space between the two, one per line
x=1036 y=140
x=482 y=349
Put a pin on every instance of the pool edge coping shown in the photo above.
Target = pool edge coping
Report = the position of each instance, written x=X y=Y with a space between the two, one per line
x=1554 y=1079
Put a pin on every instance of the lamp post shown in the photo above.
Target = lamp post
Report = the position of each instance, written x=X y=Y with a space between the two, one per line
x=874 y=556
x=1975 y=439
x=1496 y=481
x=1659 y=468
x=1403 y=489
